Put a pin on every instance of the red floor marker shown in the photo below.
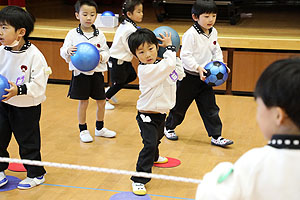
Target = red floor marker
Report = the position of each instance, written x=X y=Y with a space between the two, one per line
x=16 y=167
x=173 y=162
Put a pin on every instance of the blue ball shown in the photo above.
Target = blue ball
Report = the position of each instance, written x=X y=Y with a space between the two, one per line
x=216 y=73
x=107 y=13
x=3 y=85
x=174 y=36
x=86 y=58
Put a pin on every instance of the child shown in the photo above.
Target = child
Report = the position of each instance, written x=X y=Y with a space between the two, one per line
x=157 y=83
x=199 y=47
x=122 y=71
x=272 y=171
x=27 y=71
x=87 y=84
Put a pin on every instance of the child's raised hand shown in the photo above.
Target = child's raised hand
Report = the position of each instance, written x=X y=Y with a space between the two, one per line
x=12 y=91
x=165 y=39
x=71 y=50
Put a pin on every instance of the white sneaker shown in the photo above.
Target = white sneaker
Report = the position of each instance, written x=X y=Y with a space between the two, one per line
x=3 y=179
x=170 y=134
x=222 y=142
x=104 y=132
x=85 y=136
x=139 y=189
x=161 y=160
x=109 y=106
x=28 y=183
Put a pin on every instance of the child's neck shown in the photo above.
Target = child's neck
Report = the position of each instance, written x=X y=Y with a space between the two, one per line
x=131 y=20
x=206 y=31
x=87 y=29
x=20 y=45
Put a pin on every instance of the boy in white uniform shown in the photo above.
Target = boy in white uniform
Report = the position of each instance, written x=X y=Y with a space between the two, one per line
x=157 y=83
x=199 y=47
x=87 y=84
x=27 y=71
x=270 y=172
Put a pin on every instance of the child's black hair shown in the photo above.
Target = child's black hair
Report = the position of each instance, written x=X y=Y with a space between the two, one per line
x=17 y=17
x=80 y=3
x=204 y=6
x=279 y=85
x=141 y=36
x=128 y=6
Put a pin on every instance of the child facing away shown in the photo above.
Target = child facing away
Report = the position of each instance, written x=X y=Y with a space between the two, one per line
x=157 y=83
x=121 y=71
x=272 y=171
x=20 y=111
x=199 y=47
x=87 y=84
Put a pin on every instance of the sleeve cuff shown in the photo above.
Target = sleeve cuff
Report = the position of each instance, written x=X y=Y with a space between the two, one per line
x=22 y=89
x=171 y=47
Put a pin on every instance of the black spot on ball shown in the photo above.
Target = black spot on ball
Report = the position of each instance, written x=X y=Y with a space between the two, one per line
x=220 y=76
x=217 y=63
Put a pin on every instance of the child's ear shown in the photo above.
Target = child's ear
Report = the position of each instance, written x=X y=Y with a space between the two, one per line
x=77 y=15
x=21 y=32
x=195 y=18
x=281 y=116
x=129 y=14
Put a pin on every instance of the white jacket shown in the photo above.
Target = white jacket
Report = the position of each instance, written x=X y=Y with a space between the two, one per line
x=27 y=67
x=267 y=173
x=157 y=83
x=198 y=49
x=97 y=38
x=119 y=48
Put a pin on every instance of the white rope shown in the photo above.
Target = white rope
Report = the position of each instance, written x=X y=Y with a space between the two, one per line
x=99 y=169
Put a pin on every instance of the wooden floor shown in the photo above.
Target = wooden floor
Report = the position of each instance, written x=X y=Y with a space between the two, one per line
x=60 y=143
x=59 y=125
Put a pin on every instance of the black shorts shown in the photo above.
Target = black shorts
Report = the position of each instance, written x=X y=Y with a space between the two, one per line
x=84 y=86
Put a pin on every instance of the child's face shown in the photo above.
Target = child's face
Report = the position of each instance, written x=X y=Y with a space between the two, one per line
x=266 y=118
x=8 y=34
x=87 y=16
x=206 y=20
x=137 y=14
x=147 y=53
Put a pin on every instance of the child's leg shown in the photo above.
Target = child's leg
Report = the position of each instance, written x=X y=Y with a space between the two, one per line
x=85 y=135
x=100 y=130
x=98 y=94
x=149 y=133
x=209 y=111
x=80 y=89
x=100 y=110
x=160 y=131
x=5 y=133
x=82 y=107
x=185 y=94
x=121 y=74
x=26 y=130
